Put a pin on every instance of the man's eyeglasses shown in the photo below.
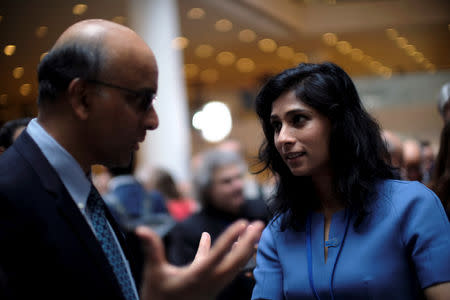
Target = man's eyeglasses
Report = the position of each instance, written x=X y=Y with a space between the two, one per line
x=144 y=96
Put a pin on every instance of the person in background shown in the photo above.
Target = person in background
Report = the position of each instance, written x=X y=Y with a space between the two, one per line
x=58 y=240
x=342 y=228
x=440 y=180
x=10 y=131
x=218 y=182
x=395 y=148
x=412 y=168
x=428 y=159
x=179 y=206
x=444 y=102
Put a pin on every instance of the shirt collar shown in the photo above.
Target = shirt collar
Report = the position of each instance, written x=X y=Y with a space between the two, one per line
x=68 y=169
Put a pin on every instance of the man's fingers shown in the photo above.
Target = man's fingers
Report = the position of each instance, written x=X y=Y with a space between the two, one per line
x=243 y=250
x=223 y=244
x=203 y=247
x=153 y=245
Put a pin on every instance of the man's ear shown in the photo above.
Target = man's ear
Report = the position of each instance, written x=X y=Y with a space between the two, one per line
x=78 y=98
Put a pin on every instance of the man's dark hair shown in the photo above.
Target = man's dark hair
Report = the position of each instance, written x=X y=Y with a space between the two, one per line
x=8 y=130
x=358 y=155
x=83 y=59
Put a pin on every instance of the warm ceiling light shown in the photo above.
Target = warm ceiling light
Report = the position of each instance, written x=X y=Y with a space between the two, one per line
x=3 y=99
x=267 y=45
x=418 y=57
x=204 y=51
x=344 y=47
x=18 y=72
x=245 y=65
x=375 y=65
x=41 y=31
x=119 y=20
x=329 y=39
x=247 y=35
x=357 y=54
x=401 y=42
x=43 y=55
x=391 y=33
x=225 y=58
x=223 y=25
x=299 y=58
x=25 y=89
x=9 y=50
x=180 y=43
x=196 y=13
x=209 y=75
x=79 y=9
x=410 y=49
x=190 y=70
x=367 y=60
x=285 y=52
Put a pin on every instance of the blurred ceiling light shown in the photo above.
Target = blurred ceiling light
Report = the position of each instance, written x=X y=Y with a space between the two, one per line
x=329 y=39
x=285 y=52
x=343 y=47
x=119 y=20
x=245 y=65
x=43 y=55
x=418 y=57
x=9 y=50
x=375 y=66
x=410 y=49
x=196 y=13
x=41 y=31
x=247 y=35
x=391 y=33
x=18 y=72
x=209 y=75
x=3 y=99
x=367 y=60
x=214 y=120
x=25 y=89
x=401 y=42
x=223 y=25
x=180 y=43
x=225 y=58
x=267 y=45
x=299 y=58
x=79 y=9
x=204 y=50
x=190 y=70
x=331 y=2
x=357 y=54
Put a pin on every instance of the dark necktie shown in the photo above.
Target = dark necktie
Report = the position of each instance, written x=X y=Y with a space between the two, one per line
x=96 y=213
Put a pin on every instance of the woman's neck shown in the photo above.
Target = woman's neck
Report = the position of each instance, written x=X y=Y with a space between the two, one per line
x=329 y=200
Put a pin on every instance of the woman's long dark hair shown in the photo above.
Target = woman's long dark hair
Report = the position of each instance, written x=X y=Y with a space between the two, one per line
x=358 y=154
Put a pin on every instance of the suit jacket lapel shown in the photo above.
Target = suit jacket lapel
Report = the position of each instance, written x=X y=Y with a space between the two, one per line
x=65 y=204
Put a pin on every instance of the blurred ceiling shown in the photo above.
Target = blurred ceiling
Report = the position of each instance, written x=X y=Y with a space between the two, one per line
x=237 y=43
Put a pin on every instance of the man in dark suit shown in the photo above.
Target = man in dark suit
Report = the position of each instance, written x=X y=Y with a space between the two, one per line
x=57 y=239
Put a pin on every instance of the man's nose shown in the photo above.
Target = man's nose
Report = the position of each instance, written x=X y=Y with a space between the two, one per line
x=151 y=119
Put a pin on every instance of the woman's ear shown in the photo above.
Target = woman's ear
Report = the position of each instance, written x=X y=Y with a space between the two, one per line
x=78 y=98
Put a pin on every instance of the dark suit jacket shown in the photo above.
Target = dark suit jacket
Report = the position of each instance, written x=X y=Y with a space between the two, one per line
x=47 y=249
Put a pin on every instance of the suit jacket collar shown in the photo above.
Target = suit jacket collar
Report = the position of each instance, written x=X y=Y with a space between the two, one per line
x=67 y=207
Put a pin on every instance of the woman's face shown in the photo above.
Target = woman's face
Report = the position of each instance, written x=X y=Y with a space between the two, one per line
x=301 y=136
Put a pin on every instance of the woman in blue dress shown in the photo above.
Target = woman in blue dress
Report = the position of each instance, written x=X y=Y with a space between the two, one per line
x=343 y=226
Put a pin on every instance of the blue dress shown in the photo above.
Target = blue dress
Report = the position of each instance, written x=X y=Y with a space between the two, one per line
x=401 y=248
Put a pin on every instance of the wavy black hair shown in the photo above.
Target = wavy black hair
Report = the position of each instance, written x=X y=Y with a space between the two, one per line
x=82 y=58
x=358 y=154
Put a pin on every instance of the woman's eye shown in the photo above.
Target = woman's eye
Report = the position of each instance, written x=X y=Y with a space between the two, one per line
x=298 y=119
x=276 y=126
